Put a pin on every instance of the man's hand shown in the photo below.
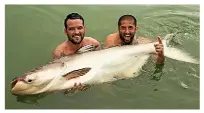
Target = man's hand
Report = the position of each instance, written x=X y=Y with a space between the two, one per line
x=80 y=87
x=159 y=51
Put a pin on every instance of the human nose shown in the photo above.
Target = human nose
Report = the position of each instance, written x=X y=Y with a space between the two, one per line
x=76 y=31
x=127 y=31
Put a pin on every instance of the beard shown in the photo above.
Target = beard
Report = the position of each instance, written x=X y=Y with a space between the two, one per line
x=76 y=38
x=126 y=41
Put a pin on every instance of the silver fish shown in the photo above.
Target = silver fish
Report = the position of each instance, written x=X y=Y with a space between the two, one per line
x=93 y=67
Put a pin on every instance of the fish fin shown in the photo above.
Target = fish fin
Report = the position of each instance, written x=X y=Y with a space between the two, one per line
x=76 y=73
x=175 y=53
x=86 y=49
x=180 y=55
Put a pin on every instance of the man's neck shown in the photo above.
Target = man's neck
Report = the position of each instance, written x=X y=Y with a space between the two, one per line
x=135 y=40
x=73 y=46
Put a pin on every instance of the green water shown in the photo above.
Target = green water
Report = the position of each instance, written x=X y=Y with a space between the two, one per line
x=33 y=32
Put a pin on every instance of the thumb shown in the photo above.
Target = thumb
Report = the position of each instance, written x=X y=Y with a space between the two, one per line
x=159 y=40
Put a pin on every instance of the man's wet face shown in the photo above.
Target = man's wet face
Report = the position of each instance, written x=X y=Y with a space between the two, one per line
x=127 y=31
x=75 y=30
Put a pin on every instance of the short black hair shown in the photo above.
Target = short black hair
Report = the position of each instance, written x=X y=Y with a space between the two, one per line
x=73 y=16
x=127 y=17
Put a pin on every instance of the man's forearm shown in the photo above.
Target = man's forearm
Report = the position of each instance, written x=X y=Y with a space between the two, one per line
x=160 y=59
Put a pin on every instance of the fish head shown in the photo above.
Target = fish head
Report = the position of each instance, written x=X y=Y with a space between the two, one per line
x=41 y=80
x=34 y=81
x=24 y=84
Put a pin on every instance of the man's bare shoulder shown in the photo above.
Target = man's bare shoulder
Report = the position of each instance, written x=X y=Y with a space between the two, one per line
x=143 y=40
x=112 y=36
x=59 y=50
x=112 y=40
x=91 y=40
x=61 y=46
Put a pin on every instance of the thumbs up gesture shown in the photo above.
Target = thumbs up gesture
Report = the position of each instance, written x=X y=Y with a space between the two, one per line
x=159 y=51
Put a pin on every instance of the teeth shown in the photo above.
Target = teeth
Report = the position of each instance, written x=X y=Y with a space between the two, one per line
x=127 y=35
x=76 y=36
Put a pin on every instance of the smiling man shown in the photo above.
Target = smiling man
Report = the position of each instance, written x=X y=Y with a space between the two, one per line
x=126 y=35
x=75 y=31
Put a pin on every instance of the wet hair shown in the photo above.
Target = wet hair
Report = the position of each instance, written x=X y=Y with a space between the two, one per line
x=73 y=16
x=127 y=17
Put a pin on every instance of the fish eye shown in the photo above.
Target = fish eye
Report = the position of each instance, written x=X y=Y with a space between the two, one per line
x=29 y=80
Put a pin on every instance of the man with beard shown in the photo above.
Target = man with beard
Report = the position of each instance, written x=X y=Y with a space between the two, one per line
x=127 y=27
x=75 y=31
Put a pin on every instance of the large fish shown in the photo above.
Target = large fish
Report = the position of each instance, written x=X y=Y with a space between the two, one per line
x=93 y=67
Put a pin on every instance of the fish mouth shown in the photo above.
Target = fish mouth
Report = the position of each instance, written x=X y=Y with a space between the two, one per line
x=14 y=81
x=16 y=87
x=14 y=84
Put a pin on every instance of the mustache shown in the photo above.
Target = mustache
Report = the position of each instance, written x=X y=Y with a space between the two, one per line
x=77 y=35
x=127 y=34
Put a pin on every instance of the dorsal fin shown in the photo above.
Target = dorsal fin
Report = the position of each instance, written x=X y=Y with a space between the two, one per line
x=76 y=73
x=87 y=48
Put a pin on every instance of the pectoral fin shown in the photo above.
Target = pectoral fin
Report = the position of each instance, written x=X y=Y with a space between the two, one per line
x=76 y=73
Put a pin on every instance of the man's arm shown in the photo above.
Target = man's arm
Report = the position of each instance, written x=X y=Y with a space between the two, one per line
x=95 y=42
x=56 y=54
x=158 y=72
x=159 y=57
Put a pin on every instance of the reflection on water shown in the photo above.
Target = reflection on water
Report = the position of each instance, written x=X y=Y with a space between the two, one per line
x=30 y=99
